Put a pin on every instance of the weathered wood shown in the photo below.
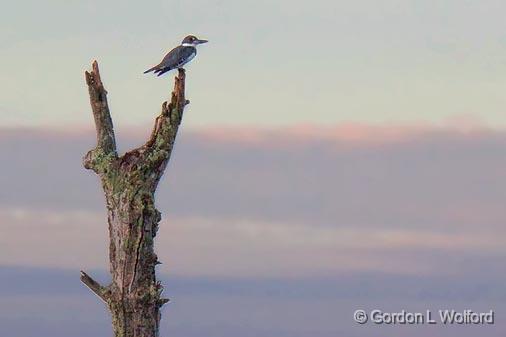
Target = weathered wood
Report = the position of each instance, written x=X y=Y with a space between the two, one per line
x=106 y=143
x=129 y=183
x=102 y=292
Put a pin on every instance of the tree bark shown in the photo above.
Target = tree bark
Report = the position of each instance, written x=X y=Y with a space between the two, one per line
x=129 y=183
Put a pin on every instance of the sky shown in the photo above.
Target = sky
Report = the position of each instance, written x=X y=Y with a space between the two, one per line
x=335 y=156
x=268 y=63
x=287 y=238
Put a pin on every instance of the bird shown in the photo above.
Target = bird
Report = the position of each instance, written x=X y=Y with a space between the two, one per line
x=179 y=56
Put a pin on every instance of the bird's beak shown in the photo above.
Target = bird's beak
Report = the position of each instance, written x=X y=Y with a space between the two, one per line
x=201 y=41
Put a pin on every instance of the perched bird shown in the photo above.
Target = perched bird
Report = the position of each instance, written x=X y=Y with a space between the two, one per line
x=178 y=56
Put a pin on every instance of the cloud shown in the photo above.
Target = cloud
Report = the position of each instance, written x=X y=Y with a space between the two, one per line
x=350 y=134
x=278 y=226
x=288 y=202
x=435 y=178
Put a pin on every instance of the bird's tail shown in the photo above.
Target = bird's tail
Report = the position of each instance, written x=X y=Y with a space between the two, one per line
x=151 y=69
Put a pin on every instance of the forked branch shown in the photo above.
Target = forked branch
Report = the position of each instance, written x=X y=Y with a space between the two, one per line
x=167 y=123
x=106 y=142
x=155 y=153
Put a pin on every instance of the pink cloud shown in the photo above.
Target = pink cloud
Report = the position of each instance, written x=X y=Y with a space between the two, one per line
x=350 y=133
x=347 y=132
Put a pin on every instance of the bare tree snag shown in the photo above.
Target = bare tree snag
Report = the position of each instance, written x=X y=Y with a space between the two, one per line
x=129 y=183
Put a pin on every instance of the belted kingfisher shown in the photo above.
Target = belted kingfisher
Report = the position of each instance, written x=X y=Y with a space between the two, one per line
x=178 y=56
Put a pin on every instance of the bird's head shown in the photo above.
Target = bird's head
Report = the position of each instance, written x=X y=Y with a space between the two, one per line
x=192 y=41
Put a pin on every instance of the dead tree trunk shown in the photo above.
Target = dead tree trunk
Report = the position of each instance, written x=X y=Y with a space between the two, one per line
x=129 y=182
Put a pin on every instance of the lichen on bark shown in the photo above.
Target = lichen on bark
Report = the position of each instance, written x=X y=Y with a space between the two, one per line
x=129 y=183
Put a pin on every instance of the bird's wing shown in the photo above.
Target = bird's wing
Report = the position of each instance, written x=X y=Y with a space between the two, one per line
x=177 y=57
x=168 y=59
